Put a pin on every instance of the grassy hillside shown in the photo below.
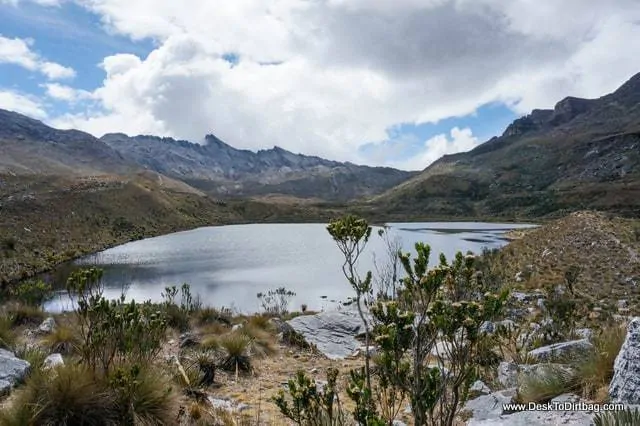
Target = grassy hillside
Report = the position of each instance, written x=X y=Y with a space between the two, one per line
x=46 y=220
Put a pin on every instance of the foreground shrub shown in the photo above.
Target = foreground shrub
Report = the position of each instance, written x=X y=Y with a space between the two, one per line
x=236 y=349
x=143 y=396
x=276 y=302
x=63 y=340
x=595 y=371
x=210 y=315
x=67 y=396
x=305 y=405
x=22 y=314
x=178 y=312
x=112 y=331
x=32 y=292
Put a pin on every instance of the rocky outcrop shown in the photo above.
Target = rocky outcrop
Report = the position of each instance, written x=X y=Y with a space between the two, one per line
x=12 y=370
x=562 y=351
x=625 y=385
x=492 y=415
x=490 y=406
x=333 y=333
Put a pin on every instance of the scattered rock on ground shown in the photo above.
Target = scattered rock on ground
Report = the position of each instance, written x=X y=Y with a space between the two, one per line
x=625 y=385
x=188 y=340
x=479 y=388
x=47 y=326
x=333 y=332
x=52 y=361
x=508 y=374
x=12 y=370
x=489 y=406
x=561 y=351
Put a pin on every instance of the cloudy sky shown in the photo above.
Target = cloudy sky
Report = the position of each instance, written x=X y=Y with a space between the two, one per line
x=381 y=82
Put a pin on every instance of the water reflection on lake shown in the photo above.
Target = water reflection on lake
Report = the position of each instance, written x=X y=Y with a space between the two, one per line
x=229 y=265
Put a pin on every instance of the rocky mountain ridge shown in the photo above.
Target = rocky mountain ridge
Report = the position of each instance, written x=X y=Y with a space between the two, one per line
x=583 y=154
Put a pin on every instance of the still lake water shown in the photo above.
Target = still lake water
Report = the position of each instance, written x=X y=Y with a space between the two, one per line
x=228 y=265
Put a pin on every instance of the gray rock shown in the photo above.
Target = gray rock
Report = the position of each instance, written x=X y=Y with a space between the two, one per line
x=237 y=327
x=479 y=388
x=487 y=327
x=622 y=304
x=188 y=340
x=562 y=351
x=399 y=423
x=47 y=326
x=333 y=332
x=12 y=370
x=565 y=397
x=508 y=374
x=584 y=333
x=441 y=350
x=489 y=406
x=625 y=385
x=52 y=361
x=535 y=418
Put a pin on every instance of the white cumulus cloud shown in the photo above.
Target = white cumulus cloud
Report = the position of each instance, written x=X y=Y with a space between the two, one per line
x=19 y=52
x=22 y=103
x=327 y=77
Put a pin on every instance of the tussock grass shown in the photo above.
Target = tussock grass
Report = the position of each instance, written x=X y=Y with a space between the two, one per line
x=208 y=315
x=236 y=349
x=145 y=398
x=7 y=335
x=22 y=314
x=259 y=322
x=595 y=371
x=627 y=417
x=70 y=396
x=63 y=340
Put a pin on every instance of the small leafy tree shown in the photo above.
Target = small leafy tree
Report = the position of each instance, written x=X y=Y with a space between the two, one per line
x=309 y=406
x=560 y=311
x=276 y=302
x=449 y=304
x=351 y=234
x=571 y=276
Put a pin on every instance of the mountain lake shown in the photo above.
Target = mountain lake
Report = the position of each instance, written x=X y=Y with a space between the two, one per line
x=227 y=266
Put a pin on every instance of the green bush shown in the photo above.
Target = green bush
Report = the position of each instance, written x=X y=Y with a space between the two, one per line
x=32 y=292
x=112 y=331
x=276 y=302
x=306 y=405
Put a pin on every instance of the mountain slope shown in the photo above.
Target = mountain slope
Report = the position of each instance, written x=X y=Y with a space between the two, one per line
x=30 y=147
x=585 y=153
x=221 y=169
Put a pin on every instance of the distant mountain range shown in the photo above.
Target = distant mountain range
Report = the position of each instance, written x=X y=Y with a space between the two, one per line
x=30 y=147
x=583 y=154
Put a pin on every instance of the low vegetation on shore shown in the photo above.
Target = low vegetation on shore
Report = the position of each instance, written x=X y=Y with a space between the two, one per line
x=435 y=336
